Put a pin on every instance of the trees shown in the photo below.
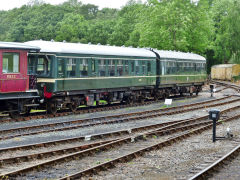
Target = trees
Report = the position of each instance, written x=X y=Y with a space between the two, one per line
x=207 y=27
x=100 y=31
x=175 y=25
x=125 y=24
x=199 y=31
x=227 y=30
x=72 y=28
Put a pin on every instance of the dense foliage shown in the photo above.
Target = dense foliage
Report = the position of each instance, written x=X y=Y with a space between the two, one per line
x=207 y=27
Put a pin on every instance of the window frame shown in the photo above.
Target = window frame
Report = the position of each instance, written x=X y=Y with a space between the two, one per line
x=71 y=62
x=84 y=62
x=19 y=65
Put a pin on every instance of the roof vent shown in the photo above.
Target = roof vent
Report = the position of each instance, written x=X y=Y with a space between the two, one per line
x=123 y=46
x=52 y=40
x=99 y=44
x=108 y=44
x=64 y=41
x=89 y=43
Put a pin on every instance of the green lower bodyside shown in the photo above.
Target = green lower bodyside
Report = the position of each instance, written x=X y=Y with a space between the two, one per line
x=119 y=82
x=104 y=83
x=178 y=79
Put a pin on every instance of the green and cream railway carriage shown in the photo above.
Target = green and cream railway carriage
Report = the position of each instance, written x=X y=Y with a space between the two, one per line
x=71 y=74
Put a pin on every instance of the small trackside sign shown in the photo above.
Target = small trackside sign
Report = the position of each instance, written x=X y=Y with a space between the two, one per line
x=168 y=102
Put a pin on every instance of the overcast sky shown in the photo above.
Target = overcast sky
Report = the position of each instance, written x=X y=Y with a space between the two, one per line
x=10 y=4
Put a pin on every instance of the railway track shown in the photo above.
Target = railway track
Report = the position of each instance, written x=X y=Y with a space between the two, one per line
x=81 y=123
x=163 y=130
x=226 y=84
x=85 y=110
x=221 y=89
x=135 y=149
x=102 y=135
x=216 y=169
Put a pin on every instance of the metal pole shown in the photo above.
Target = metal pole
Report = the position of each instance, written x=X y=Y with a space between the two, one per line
x=214 y=130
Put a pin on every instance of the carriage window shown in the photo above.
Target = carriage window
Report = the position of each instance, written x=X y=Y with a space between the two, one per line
x=93 y=66
x=168 y=67
x=71 y=68
x=163 y=65
x=174 y=67
x=198 y=67
x=137 y=64
x=84 y=67
x=132 y=67
x=192 y=68
x=43 y=66
x=143 y=68
x=102 y=67
x=112 y=67
x=120 y=68
x=10 y=63
x=180 y=67
x=203 y=68
x=31 y=65
x=126 y=68
x=149 y=67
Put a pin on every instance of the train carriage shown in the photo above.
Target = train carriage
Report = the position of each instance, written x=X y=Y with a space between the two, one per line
x=73 y=74
x=16 y=93
x=184 y=72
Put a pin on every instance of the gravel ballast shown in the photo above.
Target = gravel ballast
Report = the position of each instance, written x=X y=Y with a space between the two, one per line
x=178 y=161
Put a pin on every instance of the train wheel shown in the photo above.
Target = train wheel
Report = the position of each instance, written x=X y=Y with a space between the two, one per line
x=14 y=110
x=73 y=107
x=156 y=97
x=51 y=108
x=130 y=100
x=167 y=94
x=15 y=114
x=141 y=100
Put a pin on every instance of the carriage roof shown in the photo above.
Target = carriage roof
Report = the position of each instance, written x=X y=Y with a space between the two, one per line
x=105 y=50
x=179 y=55
x=19 y=46
x=90 y=49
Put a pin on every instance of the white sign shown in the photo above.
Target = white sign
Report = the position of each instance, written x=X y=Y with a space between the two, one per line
x=88 y=138
x=168 y=101
x=214 y=90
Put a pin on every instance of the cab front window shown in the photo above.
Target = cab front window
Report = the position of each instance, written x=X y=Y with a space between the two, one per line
x=43 y=66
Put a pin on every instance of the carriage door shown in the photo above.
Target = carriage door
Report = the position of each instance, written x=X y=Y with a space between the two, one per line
x=32 y=66
x=61 y=74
